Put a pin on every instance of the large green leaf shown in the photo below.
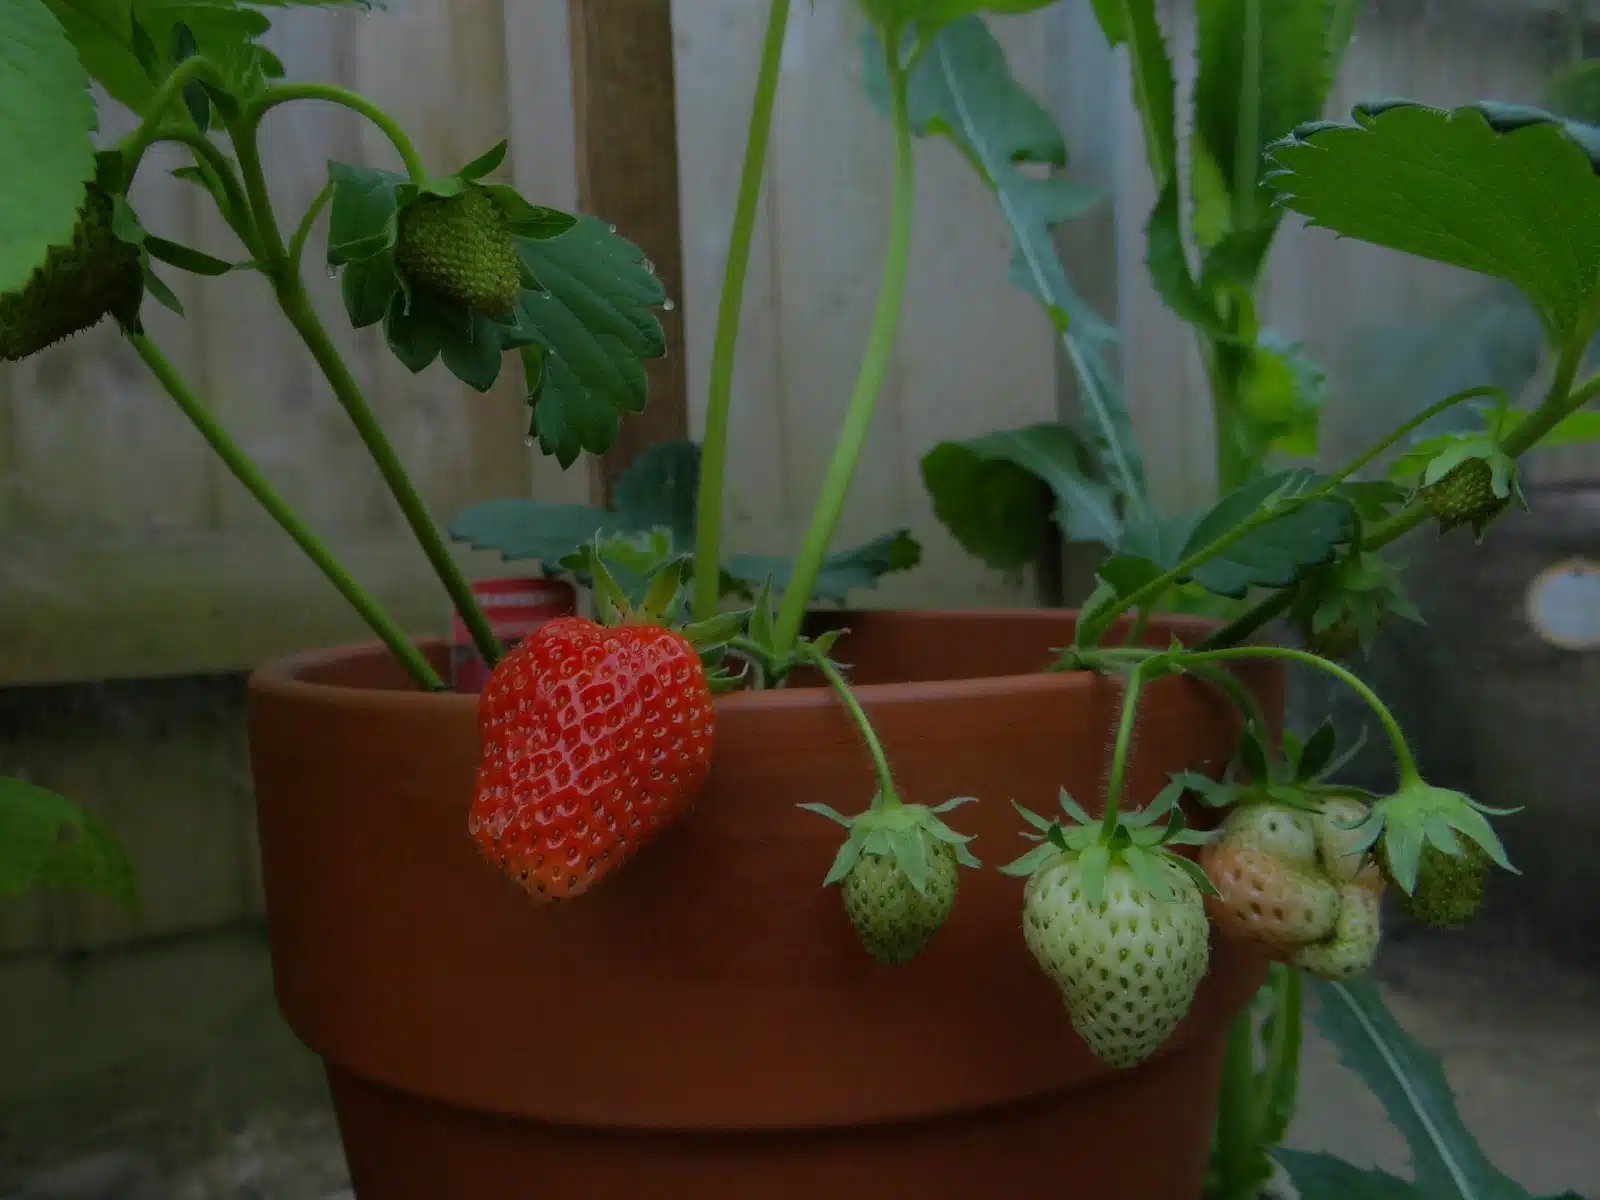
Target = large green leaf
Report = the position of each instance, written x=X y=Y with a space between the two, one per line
x=45 y=839
x=1323 y=1177
x=592 y=321
x=1510 y=193
x=1446 y=1161
x=658 y=495
x=1275 y=554
x=46 y=118
x=993 y=493
x=963 y=89
x=1263 y=69
x=931 y=15
x=843 y=571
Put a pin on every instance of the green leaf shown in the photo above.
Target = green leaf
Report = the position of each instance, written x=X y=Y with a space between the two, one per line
x=1161 y=540
x=185 y=258
x=963 y=89
x=1263 y=69
x=1275 y=554
x=530 y=529
x=46 y=118
x=412 y=333
x=164 y=295
x=470 y=347
x=1323 y=1177
x=993 y=492
x=593 y=324
x=1445 y=1158
x=362 y=212
x=485 y=163
x=843 y=571
x=529 y=220
x=367 y=286
x=931 y=15
x=660 y=489
x=46 y=839
x=1281 y=394
x=1490 y=189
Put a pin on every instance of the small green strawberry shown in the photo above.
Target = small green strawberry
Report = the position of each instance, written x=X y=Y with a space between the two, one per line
x=1470 y=483
x=1435 y=845
x=1117 y=922
x=461 y=247
x=95 y=274
x=1449 y=888
x=897 y=873
x=1356 y=937
x=1340 y=607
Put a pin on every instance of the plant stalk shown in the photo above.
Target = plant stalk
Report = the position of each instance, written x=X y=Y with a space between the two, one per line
x=719 y=397
x=246 y=472
x=1236 y=1143
x=888 y=796
x=874 y=367
x=285 y=93
x=1119 y=754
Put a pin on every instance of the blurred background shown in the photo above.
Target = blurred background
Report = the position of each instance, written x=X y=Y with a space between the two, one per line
x=143 y=1056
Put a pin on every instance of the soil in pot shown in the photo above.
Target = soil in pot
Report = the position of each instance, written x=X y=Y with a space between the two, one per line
x=704 y=1023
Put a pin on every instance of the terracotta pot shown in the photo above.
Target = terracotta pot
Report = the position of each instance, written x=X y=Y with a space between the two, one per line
x=704 y=1023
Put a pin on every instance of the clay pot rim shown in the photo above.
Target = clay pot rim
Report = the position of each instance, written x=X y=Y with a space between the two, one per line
x=285 y=677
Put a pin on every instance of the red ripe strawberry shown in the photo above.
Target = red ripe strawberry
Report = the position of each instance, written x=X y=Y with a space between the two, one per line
x=593 y=740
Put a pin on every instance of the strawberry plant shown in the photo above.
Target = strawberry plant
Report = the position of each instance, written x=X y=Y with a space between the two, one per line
x=597 y=734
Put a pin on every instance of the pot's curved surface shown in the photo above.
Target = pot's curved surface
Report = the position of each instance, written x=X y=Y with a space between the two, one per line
x=704 y=1021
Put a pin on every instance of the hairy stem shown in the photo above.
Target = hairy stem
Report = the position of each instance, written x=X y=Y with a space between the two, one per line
x=1402 y=752
x=285 y=93
x=1119 y=753
x=888 y=797
x=874 y=367
x=246 y=472
x=719 y=397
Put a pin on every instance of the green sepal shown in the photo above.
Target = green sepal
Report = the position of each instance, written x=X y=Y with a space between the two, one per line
x=185 y=258
x=1073 y=809
x=716 y=631
x=1042 y=824
x=1093 y=863
x=1317 y=752
x=1419 y=814
x=164 y=295
x=530 y=221
x=826 y=810
x=1031 y=861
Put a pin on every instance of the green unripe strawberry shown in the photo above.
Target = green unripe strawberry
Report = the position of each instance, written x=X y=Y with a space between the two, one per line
x=1127 y=965
x=76 y=285
x=461 y=248
x=1449 y=889
x=1465 y=495
x=893 y=919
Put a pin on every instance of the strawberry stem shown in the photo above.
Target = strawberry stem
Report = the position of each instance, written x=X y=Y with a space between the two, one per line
x=719 y=398
x=1404 y=760
x=1119 y=755
x=285 y=93
x=874 y=366
x=291 y=522
x=888 y=797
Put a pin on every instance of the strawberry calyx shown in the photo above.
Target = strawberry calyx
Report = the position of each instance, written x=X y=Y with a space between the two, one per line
x=1340 y=607
x=1401 y=827
x=895 y=830
x=1296 y=777
x=1141 y=841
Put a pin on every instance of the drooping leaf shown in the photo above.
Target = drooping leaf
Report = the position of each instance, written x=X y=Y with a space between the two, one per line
x=593 y=323
x=843 y=571
x=185 y=258
x=362 y=212
x=963 y=89
x=46 y=118
x=45 y=839
x=1510 y=193
x=1275 y=554
x=530 y=529
x=1407 y=1079
x=993 y=492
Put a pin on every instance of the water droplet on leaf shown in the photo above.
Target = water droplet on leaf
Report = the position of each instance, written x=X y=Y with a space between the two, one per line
x=528 y=438
x=333 y=271
x=669 y=304
x=649 y=266
x=613 y=228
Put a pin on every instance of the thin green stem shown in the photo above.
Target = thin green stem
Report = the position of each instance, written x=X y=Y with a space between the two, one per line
x=149 y=130
x=1226 y=682
x=1402 y=752
x=874 y=367
x=1282 y=1070
x=888 y=796
x=248 y=474
x=236 y=211
x=273 y=253
x=297 y=307
x=1236 y=1142
x=285 y=93
x=1119 y=753
x=297 y=243
x=719 y=396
